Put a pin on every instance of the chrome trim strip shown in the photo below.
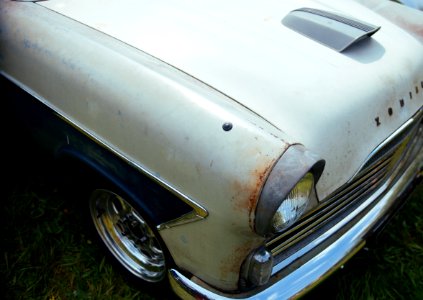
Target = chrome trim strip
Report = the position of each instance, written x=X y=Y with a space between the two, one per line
x=373 y=179
x=329 y=208
x=310 y=228
x=418 y=115
x=306 y=276
x=184 y=219
x=199 y=212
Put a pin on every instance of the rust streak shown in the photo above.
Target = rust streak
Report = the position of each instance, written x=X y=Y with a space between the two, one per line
x=247 y=194
x=261 y=176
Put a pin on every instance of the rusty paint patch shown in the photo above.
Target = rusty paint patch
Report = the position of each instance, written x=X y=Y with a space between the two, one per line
x=247 y=194
x=258 y=186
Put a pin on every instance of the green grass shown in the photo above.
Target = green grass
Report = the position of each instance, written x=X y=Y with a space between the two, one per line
x=47 y=253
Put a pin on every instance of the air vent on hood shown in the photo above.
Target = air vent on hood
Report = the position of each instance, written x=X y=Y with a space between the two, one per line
x=335 y=31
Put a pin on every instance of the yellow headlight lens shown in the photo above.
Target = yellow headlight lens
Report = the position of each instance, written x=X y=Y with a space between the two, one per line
x=295 y=204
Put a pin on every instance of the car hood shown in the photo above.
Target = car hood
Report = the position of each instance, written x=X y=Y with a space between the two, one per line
x=339 y=105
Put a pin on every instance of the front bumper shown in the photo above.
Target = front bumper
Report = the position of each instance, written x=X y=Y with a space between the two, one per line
x=301 y=275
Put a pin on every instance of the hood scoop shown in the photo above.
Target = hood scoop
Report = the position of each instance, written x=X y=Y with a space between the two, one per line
x=332 y=30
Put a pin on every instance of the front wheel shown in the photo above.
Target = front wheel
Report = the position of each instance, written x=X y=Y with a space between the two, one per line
x=127 y=236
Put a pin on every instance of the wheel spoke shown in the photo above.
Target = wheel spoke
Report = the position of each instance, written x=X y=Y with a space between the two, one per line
x=127 y=235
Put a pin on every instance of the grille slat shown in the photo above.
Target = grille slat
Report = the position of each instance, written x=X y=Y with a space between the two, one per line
x=361 y=179
x=381 y=167
x=330 y=207
x=333 y=209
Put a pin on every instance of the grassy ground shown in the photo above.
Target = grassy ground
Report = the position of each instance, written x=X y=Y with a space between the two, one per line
x=46 y=253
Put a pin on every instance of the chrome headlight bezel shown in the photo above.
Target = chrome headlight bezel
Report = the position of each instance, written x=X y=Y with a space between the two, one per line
x=288 y=171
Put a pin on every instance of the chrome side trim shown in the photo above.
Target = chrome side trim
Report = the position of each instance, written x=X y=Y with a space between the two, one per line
x=198 y=213
x=307 y=275
x=184 y=219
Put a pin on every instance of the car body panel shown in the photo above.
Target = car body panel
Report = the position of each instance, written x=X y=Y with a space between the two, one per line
x=241 y=53
x=155 y=83
x=76 y=151
x=133 y=97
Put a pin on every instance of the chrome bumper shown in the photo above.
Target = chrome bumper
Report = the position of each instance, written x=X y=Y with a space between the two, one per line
x=284 y=285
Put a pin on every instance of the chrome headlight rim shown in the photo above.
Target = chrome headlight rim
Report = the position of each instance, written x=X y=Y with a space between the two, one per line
x=288 y=171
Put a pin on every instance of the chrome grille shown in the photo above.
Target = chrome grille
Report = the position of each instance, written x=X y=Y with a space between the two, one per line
x=382 y=166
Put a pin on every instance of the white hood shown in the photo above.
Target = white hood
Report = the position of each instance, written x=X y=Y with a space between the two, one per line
x=326 y=100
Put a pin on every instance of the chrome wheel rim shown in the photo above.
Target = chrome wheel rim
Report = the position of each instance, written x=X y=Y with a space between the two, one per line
x=127 y=236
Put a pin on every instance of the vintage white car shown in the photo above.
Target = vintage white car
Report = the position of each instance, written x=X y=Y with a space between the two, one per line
x=238 y=149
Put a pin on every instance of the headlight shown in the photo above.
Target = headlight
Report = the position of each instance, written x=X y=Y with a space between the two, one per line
x=289 y=190
x=295 y=204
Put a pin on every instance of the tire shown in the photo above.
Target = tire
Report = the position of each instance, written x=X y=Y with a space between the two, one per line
x=127 y=236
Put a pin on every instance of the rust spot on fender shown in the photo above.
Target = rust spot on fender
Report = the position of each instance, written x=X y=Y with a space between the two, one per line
x=247 y=194
x=261 y=176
